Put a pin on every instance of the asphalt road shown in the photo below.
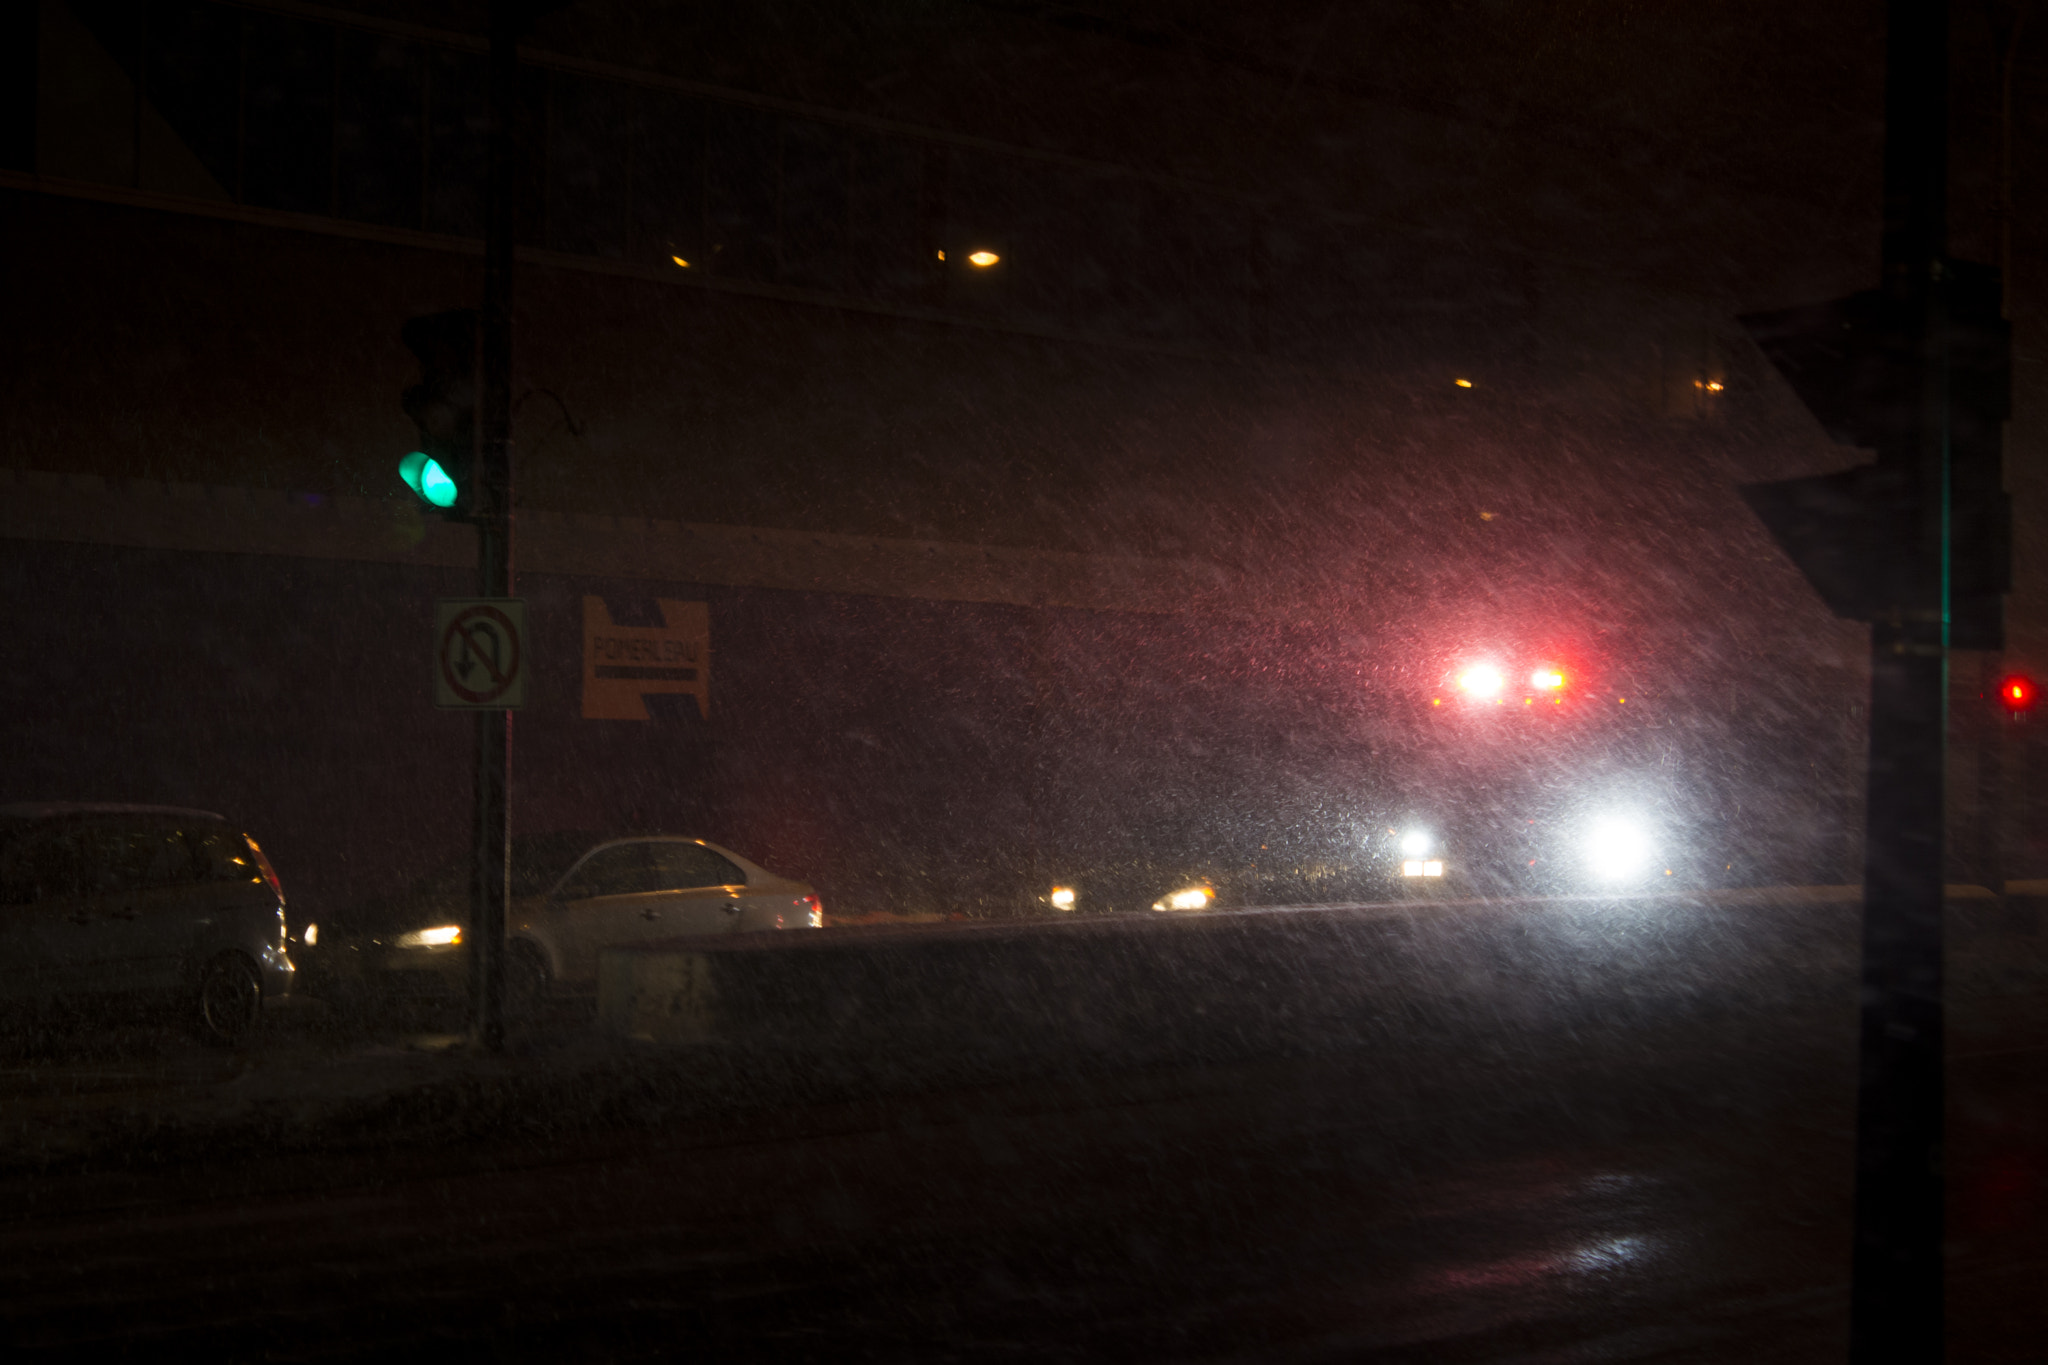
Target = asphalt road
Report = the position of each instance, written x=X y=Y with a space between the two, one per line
x=1261 y=1212
x=1687 y=1202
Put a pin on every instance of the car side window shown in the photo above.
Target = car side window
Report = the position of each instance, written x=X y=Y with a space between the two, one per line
x=621 y=870
x=42 y=866
x=142 y=857
x=682 y=866
x=222 y=856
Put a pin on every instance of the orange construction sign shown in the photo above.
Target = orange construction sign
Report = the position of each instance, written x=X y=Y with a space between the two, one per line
x=622 y=664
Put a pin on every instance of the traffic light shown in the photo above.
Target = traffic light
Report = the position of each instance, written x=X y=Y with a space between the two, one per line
x=2016 y=694
x=1853 y=362
x=443 y=406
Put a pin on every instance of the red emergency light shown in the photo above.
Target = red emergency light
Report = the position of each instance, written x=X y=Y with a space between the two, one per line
x=2016 y=693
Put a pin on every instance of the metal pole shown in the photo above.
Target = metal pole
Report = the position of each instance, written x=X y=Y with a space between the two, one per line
x=1896 y=1294
x=1987 y=737
x=494 y=527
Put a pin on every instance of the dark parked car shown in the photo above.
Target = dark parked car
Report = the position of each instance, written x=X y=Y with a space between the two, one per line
x=104 y=903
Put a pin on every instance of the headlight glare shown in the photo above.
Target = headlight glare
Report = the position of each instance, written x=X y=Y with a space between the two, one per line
x=1618 y=848
x=440 y=936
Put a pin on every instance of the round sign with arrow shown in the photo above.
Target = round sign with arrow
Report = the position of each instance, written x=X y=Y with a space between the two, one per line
x=480 y=653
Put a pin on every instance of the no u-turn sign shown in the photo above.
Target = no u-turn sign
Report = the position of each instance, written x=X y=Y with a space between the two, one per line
x=480 y=653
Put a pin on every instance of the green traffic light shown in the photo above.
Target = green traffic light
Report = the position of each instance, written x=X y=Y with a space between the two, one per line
x=423 y=474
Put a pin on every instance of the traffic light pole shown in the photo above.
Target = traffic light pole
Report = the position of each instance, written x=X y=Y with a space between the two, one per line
x=1896 y=1292
x=493 y=842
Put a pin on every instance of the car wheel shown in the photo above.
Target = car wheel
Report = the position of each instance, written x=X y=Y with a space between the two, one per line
x=230 y=1000
x=527 y=981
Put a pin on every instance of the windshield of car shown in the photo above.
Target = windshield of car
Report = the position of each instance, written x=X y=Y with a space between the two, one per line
x=1062 y=680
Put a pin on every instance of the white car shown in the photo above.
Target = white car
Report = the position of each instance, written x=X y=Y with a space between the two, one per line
x=571 y=896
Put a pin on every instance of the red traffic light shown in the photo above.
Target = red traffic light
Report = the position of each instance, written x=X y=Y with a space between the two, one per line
x=2016 y=693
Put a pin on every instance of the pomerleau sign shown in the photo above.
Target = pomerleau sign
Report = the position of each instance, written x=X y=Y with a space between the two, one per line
x=623 y=664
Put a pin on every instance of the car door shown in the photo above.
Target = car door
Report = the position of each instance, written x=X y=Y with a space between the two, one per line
x=603 y=901
x=704 y=893
x=45 y=922
x=83 y=926
x=155 y=905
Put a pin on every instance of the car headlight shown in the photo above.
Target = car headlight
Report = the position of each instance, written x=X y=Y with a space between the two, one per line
x=440 y=936
x=311 y=936
x=1415 y=843
x=1423 y=867
x=1194 y=898
x=1617 y=849
x=1062 y=898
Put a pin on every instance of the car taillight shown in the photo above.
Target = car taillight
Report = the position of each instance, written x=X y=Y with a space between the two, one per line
x=813 y=911
x=263 y=863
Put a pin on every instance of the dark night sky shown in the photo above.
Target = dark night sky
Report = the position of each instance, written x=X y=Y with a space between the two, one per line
x=1593 y=128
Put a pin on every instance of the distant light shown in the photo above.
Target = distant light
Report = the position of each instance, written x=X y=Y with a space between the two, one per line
x=1412 y=868
x=1713 y=386
x=1481 y=682
x=1462 y=383
x=2017 y=693
x=312 y=935
x=680 y=261
x=1433 y=868
x=983 y=259
x=1436 y=701
x=1062 y=898
x=942 y=255
x=1194 y=898
x=1621 y=701
x=1547 y=678
x=1415 y=843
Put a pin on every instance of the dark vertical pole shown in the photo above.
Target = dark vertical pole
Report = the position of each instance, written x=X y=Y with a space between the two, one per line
x=494 y=526
x=1987 y=737
x=1896 y=1298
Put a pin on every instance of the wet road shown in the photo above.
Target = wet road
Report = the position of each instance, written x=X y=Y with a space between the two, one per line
x=1644 y=1162
x=1296 y=1210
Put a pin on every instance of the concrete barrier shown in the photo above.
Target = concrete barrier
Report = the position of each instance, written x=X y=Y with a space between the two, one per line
x=1614 y=973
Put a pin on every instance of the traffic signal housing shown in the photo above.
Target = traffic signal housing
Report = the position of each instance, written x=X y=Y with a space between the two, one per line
x=441 y=470
x=1854 y=362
